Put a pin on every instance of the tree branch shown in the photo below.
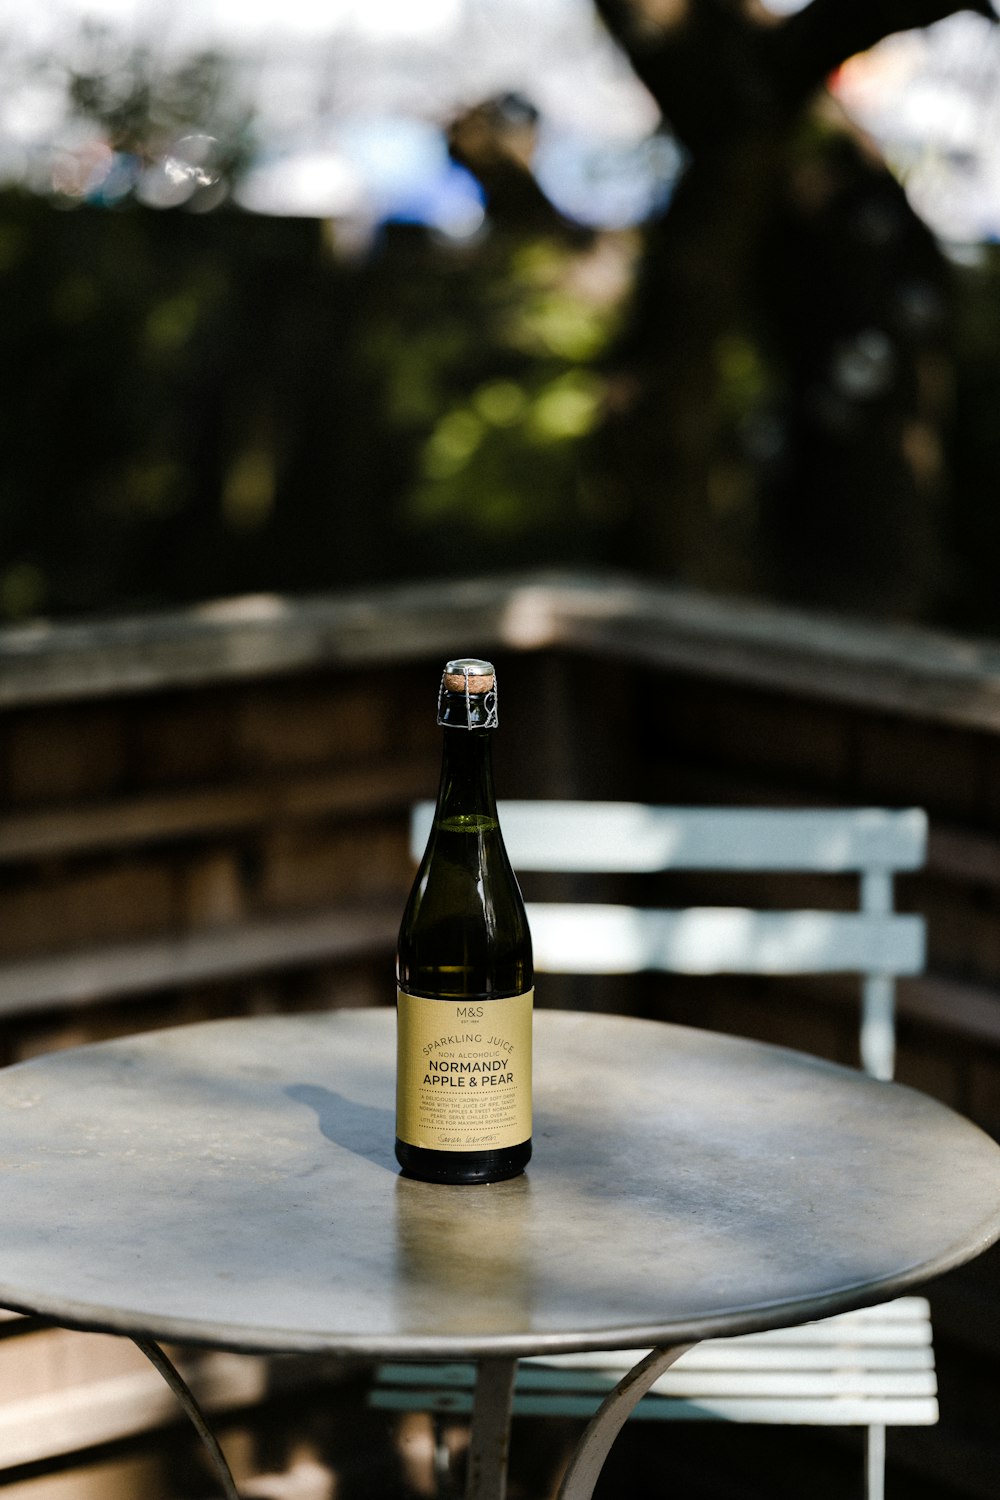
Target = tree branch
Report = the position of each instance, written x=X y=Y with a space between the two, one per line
x=701 y=61
x=715 y=73
x=806 y=49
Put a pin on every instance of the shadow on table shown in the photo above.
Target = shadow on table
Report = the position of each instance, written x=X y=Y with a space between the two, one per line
x=348 y=1124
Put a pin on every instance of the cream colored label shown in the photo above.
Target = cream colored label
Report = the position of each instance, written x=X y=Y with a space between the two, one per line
x=463 y=1072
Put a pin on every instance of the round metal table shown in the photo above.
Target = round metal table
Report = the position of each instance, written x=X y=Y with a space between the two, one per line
x=233 y=1183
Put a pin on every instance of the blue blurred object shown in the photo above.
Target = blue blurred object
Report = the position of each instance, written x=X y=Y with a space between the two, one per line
x=607 y=184
x=409 y=176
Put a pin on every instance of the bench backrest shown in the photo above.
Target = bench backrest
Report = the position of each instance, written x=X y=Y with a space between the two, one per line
x=873 y=941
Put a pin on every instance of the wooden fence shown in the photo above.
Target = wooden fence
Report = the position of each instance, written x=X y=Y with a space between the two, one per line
x=204 y=814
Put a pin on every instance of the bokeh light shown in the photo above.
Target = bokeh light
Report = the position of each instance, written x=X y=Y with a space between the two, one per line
x=344 y=98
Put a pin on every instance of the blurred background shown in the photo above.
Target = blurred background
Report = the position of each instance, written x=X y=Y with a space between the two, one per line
x=298 y=299
x=300 y=296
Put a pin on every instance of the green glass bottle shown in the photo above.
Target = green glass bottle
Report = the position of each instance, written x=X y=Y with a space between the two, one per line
x=463 y=1075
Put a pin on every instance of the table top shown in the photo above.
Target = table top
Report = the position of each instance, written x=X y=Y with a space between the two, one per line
x=233 y=1183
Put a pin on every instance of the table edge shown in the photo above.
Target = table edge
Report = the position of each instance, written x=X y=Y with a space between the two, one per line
x=365 y=1347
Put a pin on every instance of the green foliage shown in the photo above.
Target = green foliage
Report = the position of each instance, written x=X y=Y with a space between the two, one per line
x=502 y=454
x=203 y=404
x=200 y=404
x=135 y=341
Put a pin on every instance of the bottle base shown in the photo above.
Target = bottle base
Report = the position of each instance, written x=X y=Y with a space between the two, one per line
x=462 y=1167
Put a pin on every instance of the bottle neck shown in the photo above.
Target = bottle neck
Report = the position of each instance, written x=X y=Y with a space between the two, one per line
x=467 y=775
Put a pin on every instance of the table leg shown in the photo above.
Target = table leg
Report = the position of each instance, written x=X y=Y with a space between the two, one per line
x=490 y=1438
x=187 y=1400
x=609 y=1419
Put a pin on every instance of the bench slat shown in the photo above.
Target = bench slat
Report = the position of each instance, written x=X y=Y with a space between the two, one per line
x=713 y=1356
x=694 y=1384
x=588 y=938
x=628 y=837
x=843 y=1412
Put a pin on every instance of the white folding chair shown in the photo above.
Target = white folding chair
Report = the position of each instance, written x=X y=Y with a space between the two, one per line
x=871 y=1369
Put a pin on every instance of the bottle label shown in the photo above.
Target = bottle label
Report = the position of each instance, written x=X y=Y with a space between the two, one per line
x=463 y=1072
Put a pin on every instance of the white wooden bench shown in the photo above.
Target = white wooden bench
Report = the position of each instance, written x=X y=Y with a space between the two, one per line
x=870 y=1369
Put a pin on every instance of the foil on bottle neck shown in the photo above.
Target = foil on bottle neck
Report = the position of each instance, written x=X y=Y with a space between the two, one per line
x=473 y=682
